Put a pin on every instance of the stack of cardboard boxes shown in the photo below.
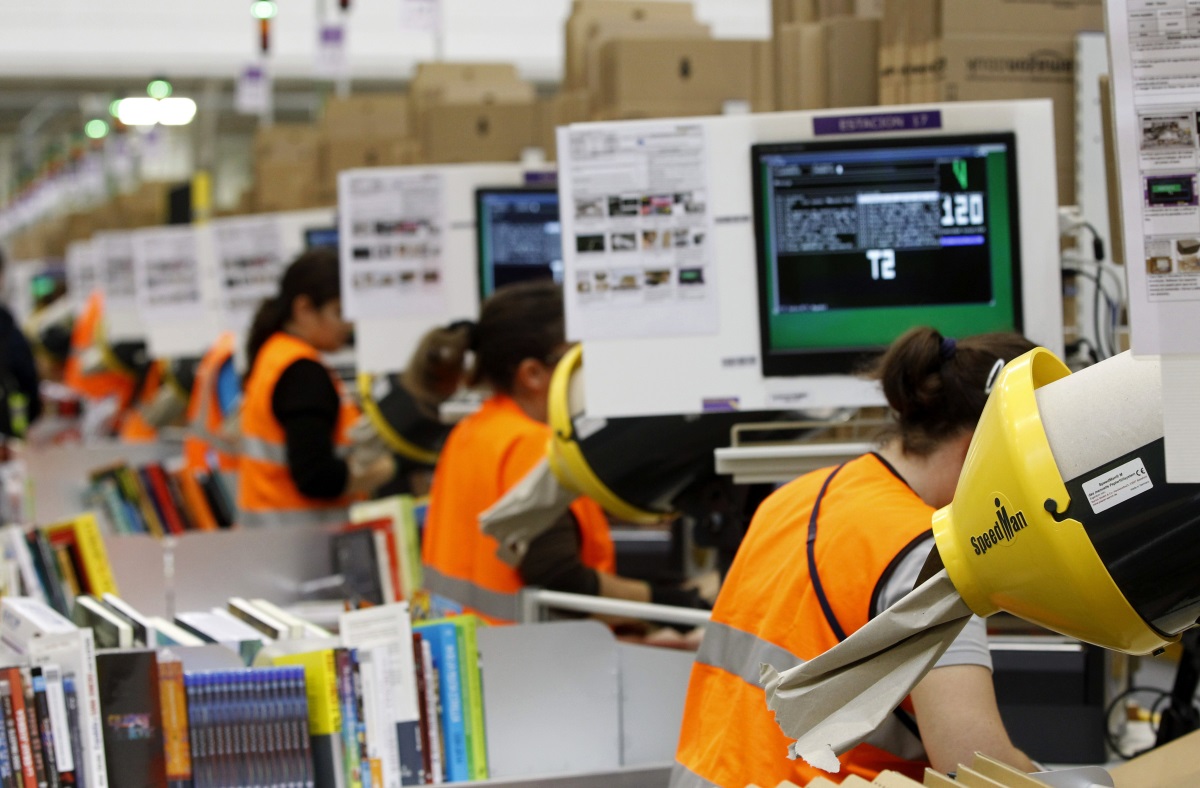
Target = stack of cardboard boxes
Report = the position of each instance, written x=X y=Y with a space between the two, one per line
x=473 y=112
x=978 y=50
x=286 y=167
x=369 y=130
x=827 y=53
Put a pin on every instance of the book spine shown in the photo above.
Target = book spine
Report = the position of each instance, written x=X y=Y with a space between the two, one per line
x=366 y=768
x=10 y=732
x=175 y=723
x=298 y=717
x=197 y=712
x=94 y=556
x=90 y=718
x=426 y=774
x=60 y=731
x=7 y=776
x=345 y=688
x=43 y=734
x=21 y=720
x=454 y=732
x=71 y=705
x=433 y=723
x=473 y=686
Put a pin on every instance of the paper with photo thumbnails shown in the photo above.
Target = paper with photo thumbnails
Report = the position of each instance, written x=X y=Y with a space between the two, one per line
x=834 y=702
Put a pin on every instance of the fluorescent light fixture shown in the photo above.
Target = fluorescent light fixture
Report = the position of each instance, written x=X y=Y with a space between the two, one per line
x=263 y=9
x=176 y=111
x=138 y=111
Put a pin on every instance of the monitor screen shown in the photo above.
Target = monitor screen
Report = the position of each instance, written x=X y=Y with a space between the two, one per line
x=519 y=237
x=321 y=238
x=859 y=241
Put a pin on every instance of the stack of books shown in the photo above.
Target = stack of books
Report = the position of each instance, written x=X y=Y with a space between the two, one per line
x=378 y=553
x=160 y=499
x=57 y=563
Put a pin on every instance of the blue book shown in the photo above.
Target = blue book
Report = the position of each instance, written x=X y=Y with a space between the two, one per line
x=443 y=640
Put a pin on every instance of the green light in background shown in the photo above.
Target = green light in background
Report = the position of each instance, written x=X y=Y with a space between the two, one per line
x=263 y=9
x=159 y=89
x=114 y=107
x=96 y=129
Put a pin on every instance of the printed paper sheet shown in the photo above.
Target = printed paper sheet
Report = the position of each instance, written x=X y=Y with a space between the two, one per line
x=169 y=284
x=250 y=262
x=637 y=231
x=391 y=236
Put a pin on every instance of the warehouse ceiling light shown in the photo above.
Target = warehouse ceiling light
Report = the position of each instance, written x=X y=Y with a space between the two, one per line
x=96 y=129
x=151 y=112
x=263 y=9
x=159 y=89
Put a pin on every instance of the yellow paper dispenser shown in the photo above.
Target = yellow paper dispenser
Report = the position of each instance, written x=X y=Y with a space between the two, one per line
x=1111 y=556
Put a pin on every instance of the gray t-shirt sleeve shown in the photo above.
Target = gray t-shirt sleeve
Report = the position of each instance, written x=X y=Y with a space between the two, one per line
x=971 y=646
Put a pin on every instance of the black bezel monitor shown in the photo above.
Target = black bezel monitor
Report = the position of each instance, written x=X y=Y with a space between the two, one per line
x=860 y=240
x=540 y=206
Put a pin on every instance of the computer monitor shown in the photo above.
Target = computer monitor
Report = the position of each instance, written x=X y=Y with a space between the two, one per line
x=321 y=238
x=520 y=238
x=860 y=240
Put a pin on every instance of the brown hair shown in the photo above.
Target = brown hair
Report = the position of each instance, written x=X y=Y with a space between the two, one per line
x=937 y=386
x=314 y=274
x=520 y=321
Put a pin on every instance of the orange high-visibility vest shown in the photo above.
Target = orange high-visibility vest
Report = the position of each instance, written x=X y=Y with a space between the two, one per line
x=85 y=335
x=134 y=427
x=267 y=495
x=769 y=611
x=484 y=457
x=204 y=417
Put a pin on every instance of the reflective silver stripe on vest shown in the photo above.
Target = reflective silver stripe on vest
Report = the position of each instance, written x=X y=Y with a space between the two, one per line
x=683 y=777
x=261 y=450
x=741 y=653
x=490 y=603
x=199 y=426
x=289 y=517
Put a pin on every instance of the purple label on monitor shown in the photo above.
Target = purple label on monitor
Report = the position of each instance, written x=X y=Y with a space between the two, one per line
x=962 y=240
x=721 y=405
x=881 y=122
x=535 y=178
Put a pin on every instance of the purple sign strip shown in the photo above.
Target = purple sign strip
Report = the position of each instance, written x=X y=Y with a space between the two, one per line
x=962 y=240
x=874 y=124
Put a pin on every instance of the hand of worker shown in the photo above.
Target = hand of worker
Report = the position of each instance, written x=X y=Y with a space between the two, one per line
x=369 y=477
x=677 y=596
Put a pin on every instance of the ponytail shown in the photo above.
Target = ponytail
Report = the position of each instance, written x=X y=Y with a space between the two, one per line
x=937 y=386
x=439 y=364
x=270 y=319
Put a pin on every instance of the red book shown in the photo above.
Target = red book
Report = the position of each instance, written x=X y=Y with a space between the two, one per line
x=162 y=493
x=21 y=719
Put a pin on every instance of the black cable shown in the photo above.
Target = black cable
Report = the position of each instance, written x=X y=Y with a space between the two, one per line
x=1101 y=290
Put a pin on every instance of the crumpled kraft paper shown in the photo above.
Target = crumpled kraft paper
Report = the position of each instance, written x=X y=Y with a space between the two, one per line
x=832 y=703
x=526 y=512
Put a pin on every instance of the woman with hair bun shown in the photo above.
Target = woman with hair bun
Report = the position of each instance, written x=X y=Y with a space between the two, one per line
x=831 y=550
x=518 y=341
x=295 y=415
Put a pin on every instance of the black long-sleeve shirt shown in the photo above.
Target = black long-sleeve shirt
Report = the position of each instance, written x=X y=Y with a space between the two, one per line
x=17 y=358
x=307 y=406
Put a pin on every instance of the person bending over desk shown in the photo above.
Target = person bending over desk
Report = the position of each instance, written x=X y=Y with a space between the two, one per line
x=831 y=550
x=519 y=339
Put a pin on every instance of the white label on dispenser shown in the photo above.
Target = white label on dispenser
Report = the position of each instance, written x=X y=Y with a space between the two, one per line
x=1117 y=486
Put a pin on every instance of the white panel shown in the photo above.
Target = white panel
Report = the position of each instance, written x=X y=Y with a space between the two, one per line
x=655 y=376
x=140 y=38
x=386 y=345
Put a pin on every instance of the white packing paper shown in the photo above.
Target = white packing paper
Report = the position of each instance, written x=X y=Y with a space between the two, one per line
x=526 y=512
x=832 y=703
x=637 y=231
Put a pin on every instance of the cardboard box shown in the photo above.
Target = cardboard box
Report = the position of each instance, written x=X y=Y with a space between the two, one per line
x=1175 y=765
x=1021 y=17
x=830 y=63
x=478 y=133
x=619 y=28
x=366 y=115
x=562 y=109
x=584 y=13
x=286 y=141
x=986 y=68
x=669 y=77
x=348 y=153
x=440 y=73
x=474 y=85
